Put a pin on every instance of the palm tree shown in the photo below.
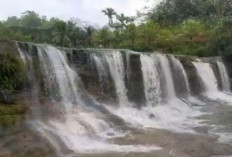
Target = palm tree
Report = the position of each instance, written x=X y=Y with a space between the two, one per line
x=122 y=19
x=130 y=20
x=109 y=12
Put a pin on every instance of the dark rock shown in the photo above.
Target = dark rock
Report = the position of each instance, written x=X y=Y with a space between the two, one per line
x=134 y=78
x=195 y=82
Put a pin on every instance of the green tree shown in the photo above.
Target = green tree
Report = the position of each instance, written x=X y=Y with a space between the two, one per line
x=147 y=35
x=192 y=28
x=60 y=34
x=30 y=19
x=12 y=21
x=131 y=33
x=104 y=37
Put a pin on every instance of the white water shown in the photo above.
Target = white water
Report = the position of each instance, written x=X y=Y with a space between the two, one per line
x=180 y=67
x=79 y=139
x=151 y=79
x=102 y=72
x=165 y=67
x=224 y=77
x=64 y=75
x=116 y=66
x=22 y=56
x=86 y=130
x=174 y=115
x=207 y=76
x=80 y=128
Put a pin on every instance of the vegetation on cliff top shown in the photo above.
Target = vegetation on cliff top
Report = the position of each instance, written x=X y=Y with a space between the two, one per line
x=196 y=27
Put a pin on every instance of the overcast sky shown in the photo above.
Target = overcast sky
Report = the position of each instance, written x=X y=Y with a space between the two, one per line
x=87 y=10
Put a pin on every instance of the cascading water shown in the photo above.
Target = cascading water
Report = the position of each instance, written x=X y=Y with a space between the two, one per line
x=151 y=79
x=116 y=67
x=165 y=68
x=23 y=57
x=76 y=120
x=224 y=77
x=85 y=127
x=102 y=72
x=179 y=69
x=66 y=78
x=207 y=76
x=80 y=128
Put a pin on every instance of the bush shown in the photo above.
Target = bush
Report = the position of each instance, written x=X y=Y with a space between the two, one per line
x=12 y=69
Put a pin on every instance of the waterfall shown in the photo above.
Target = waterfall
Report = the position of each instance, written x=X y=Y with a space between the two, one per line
x=102 y=72
x=207 y=76
x=150 y=79
x=79 y=127
x=21 y=54
x=181 y=74
x=64 y=76
x=165 y=68
x=116 y=67
x=76 y=122
x=224 y=77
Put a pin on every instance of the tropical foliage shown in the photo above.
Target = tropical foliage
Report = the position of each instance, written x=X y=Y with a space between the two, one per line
x=194 y=27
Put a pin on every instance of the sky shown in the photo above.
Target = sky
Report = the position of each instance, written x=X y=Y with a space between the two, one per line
x=85 y=10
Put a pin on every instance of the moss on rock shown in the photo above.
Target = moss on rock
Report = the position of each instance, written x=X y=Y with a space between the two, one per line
x=12 y=114
x=12 y=70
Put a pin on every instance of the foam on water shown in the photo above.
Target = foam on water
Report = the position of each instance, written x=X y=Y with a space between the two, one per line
x=78 y=139
x=175 y=116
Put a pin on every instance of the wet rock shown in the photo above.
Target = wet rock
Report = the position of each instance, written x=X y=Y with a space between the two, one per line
x=194 y=80
x=134 y=78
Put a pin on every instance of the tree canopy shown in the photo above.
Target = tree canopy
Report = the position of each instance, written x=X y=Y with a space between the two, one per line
x=196 y=27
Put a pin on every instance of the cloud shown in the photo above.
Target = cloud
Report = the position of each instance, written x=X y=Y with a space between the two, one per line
x=87 y=10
